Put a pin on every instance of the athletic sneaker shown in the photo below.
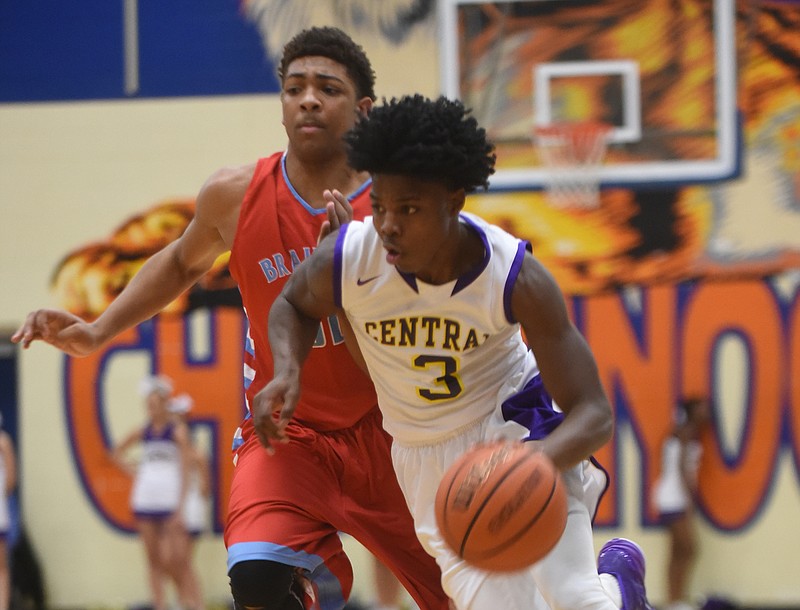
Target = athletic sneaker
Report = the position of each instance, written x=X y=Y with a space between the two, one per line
x=624 y=559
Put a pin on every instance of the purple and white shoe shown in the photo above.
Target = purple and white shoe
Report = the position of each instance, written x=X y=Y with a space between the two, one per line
x=624 y=559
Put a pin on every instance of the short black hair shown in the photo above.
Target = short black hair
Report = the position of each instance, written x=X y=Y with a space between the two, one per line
x=435 y=140
x=334 y=44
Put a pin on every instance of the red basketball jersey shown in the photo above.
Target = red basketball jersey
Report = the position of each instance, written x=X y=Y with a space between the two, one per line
x=276 y=231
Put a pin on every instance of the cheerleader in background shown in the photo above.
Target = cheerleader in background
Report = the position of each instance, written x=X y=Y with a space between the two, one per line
x=674 y=495
x=158 y=491
x=194 y=513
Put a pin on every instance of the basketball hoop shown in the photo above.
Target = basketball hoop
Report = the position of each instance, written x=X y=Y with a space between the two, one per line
x=572 y=154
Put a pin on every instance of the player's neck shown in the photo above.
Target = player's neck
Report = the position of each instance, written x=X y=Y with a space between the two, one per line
x=461 y=252
x=310 y=178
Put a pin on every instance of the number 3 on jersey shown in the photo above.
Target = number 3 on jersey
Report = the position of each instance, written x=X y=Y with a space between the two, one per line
x=447 y=384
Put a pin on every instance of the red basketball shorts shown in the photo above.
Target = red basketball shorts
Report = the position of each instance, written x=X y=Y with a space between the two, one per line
x=290 y=507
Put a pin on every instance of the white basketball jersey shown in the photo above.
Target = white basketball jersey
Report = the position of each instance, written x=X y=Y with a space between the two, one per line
x=441 y=357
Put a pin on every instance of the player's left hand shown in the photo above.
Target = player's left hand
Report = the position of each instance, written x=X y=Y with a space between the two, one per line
x=339 y=212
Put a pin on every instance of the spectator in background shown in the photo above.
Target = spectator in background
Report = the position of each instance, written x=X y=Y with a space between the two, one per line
x=8 y=481
x=194 y=513
x=158 y=489
x=674 y=496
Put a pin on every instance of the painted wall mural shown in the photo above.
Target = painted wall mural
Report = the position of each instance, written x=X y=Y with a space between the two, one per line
x=679 y=287
x=646 y=271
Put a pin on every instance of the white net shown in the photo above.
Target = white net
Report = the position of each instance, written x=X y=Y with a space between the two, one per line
x=572 y=154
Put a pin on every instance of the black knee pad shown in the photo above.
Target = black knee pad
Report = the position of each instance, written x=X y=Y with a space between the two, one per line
x=266 y=585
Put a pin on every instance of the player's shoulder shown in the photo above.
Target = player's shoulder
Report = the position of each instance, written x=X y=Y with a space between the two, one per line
x=232 y=177
x=358 y=235
x=506 y=249
x=359 y=227
x=492 y=231
x=360 y=250
x=225 y=188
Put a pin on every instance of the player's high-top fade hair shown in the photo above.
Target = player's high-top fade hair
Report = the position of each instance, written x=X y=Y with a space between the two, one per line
x=433 y=140
x=334 y=44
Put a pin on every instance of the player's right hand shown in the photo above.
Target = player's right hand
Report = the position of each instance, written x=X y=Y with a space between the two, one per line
x=338 y=210
x=61 y=329
x=272 y=409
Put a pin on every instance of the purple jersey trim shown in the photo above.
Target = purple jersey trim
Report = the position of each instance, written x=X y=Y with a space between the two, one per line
x=410 y=279
x=469 y=277
x=532 y=407
x=513 y=273
x=598 y=465
x=167 y=434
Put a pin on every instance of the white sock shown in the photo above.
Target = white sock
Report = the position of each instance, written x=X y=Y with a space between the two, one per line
x=611 y=586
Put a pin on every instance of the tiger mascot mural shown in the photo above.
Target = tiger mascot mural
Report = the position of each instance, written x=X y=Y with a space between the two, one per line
x=633 y=237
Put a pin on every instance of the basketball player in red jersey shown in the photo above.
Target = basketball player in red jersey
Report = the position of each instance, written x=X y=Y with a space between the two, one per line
x=334 y=473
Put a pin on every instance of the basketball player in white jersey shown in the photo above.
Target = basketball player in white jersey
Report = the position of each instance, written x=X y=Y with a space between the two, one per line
x=436 y=299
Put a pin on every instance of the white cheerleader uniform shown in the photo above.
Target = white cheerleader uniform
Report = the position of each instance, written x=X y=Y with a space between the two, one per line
x=157 y=486
x=195 y=507
x=671 y=496
x=451 y=370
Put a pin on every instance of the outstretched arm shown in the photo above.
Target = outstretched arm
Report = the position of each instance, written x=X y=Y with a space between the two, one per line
x=567 y=365
x=118 y=453
x=166 y=275
x=293 y=324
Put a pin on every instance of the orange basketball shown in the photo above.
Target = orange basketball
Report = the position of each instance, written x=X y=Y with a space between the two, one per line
x=501 y=506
